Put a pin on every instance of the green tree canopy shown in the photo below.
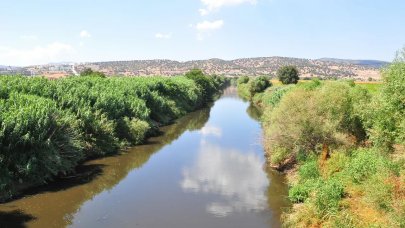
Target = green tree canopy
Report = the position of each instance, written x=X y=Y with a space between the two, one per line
x=243 y=80
x=90 y=72
x=288 y=75
x=259 y=84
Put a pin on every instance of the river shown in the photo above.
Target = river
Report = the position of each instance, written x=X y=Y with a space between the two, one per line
x=206 y=170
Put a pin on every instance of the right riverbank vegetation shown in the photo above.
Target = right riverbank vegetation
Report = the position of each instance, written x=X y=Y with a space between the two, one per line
x=48 y=127
x=341 y=144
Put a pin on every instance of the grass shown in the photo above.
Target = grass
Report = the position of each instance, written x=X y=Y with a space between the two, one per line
x=372 y=87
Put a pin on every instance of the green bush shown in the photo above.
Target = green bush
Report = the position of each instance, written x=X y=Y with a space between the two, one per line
x=38 y=141
x=378 y=191
x=275 y=94
x=243 y=80
x=299 y=193
x=137 y=129
x=365 y=163
x=205 y=83
x=279 y=155
x=288 y=75
x=309 y=170
x=91 y=73
x=327 y=197
x=313 y=84
x=259 y=84
x=388 y=123
x=305 y=119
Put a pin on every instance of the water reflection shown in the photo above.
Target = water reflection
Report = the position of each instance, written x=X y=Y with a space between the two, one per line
x=234 y=175
x=254 y=112
x=211 y=130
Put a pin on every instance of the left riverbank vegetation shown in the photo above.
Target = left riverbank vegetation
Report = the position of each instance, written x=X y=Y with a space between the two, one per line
x=342 y=146
x=48 y=127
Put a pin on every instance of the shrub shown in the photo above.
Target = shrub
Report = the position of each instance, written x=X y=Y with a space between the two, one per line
x=91 y=73
x=205 y=83
x=336 y=163
x=313 y=84
x=309 y=170
x=274 y=97
x=243 y=80
x=379 y=191
x=365 y=163
x=288 y=75
x=305 y=119
x=258 y=85
x=137 y=130
x=37 y=140
x=327 y=197
x=388 y=123
x=279 y=155
x=299 y=193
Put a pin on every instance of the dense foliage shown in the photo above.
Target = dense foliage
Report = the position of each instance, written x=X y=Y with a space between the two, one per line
x=243 y=80
x=344 y=147
x=288 y=75
x=249 y=87
x=208 y=85
x=48 y=126
x=307 y=118
x=259 y=84
x=90 y=72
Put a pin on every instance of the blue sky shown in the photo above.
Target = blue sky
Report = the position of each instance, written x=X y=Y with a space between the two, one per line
x=43 y=31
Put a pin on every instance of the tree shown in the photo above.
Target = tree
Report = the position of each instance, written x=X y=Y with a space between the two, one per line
x=243 y=80
x=90 y=72
x=86 y=72
x=205 y=83
x=194 y=73
x=288 y=75
x=259 y=84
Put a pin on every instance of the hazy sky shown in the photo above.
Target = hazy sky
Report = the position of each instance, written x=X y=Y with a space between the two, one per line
x=43 y=31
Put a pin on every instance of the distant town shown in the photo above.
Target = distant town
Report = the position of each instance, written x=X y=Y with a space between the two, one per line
x=326 y=68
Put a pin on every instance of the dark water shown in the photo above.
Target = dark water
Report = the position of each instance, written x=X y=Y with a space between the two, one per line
x=205 y=171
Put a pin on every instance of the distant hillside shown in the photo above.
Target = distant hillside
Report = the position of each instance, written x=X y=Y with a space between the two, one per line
x=373 y=63
x=328 y=68
x=4 y=70
x=324 y=68
x=9 y=67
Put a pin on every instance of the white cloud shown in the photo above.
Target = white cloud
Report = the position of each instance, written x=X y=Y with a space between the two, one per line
x=211 y=130
x=237 y=177
x=203 y=12
x=212 y=5
x=163 y=36
x=29 y=37
x=53 y=52
x=210 y=25
x=206 y=27
x=85 y=34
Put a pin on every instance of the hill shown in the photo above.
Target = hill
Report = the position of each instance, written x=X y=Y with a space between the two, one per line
x=324 y=68
x=327 y=68
x=373 y=63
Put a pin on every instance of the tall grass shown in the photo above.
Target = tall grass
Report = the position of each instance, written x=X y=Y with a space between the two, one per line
x=47 y=127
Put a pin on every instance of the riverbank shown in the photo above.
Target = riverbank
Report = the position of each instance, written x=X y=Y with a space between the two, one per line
x=48 y=127
x=207 y=163
x=342 y=148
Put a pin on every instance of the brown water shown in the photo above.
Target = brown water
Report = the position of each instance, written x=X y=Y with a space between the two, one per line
x=204 y=171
